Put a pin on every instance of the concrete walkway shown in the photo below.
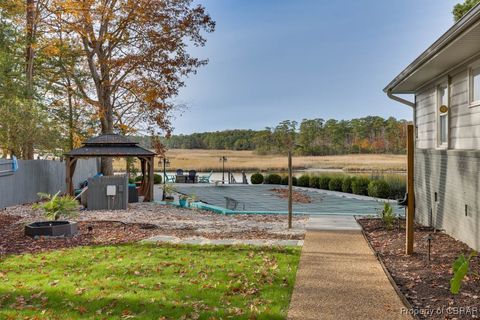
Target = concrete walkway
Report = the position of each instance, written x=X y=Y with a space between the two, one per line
x=340 y=278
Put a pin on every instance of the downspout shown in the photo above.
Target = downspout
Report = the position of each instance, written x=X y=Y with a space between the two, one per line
x=401 y=100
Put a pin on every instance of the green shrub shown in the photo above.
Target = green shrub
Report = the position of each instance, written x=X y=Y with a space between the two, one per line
x=379 y=189
x=323 y=182
x=461 y=268
x=387 y=215
x=347 y=184
x=131 y=181
x=157 y=179
x=285 y=180
x=360 y=186
x=57 y=206
x=294 y=181
x=256 y=178
x=304 y=181
x=273 y=178
x=397 y=185
x=335 y=184
x=315 y=182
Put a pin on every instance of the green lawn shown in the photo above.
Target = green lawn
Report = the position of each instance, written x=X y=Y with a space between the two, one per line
x=140 y=281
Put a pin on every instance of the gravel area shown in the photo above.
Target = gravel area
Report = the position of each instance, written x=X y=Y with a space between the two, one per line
x=168 y=220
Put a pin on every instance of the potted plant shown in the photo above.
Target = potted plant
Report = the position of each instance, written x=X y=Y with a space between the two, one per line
x=191 y=199
x=182 y=200
x=168 y=190
x=54 y=208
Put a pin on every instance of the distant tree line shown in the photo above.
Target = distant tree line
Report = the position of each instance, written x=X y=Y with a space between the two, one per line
x=309 y=137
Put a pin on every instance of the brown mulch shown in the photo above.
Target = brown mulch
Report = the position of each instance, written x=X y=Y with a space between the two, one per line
x=13 y=240
x=426 y=284
x=297 y=197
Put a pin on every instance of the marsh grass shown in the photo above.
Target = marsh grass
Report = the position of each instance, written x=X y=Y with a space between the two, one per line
x=206 y=160
x=141 y=281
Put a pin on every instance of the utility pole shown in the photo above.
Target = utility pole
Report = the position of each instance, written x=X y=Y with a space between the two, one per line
x=290 y=191
x=223 y=159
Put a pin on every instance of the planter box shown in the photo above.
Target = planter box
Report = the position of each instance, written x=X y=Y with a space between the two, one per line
x=51 y=229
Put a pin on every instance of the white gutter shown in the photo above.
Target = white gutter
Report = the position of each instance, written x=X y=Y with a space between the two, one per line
x=401 y=100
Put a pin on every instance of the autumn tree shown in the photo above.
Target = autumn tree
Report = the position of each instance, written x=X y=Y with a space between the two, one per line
x=460 y=9
x=23 y=121
x=136 y=54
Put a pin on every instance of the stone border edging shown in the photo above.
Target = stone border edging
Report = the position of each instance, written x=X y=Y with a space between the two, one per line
x=206 y=241
x=400 y=294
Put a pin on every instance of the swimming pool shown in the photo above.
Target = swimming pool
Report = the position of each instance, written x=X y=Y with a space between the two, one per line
x=261 y=199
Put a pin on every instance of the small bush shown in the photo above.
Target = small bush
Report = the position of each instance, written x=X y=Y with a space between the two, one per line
x=335 y=184
x=347 y=184
x=304 y=181
x=315 y=182
x=57 y=206
x=397 y=185
x=378 y=189
x=256 y=178
x=285 y=180
x=323 y=182
x=157 y=179
x=273 y=178
x=360 y=186
x=387 y=215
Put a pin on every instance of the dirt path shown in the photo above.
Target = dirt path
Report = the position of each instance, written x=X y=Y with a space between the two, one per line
x=340 y=278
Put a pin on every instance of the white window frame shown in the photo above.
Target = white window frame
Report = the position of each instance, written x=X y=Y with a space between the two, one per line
x=472 y=67
x=439 y=115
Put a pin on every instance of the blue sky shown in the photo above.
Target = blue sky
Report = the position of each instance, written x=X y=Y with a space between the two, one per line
x=273 y=60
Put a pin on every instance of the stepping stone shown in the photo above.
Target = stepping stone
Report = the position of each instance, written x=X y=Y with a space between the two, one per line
x=162 y=239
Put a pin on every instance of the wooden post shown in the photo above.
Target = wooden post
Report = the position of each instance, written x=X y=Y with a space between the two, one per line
x=290 y=209
x=410 y=190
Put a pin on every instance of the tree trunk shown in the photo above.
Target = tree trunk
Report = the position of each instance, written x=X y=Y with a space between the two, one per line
x=27 y=152
x=107 y=128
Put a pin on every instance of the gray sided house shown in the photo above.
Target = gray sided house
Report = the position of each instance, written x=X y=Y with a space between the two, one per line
x=445 y=81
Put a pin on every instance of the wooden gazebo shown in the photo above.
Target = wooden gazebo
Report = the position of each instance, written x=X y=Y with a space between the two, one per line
x=114 y=146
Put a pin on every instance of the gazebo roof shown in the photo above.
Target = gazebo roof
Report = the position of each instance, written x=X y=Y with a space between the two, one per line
x=110 y=145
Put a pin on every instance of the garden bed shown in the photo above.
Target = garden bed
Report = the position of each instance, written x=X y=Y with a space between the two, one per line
x=426 y=284
x=142 y=221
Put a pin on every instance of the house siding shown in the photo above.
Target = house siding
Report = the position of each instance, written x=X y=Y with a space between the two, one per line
x=453 y=175
x=425 y=119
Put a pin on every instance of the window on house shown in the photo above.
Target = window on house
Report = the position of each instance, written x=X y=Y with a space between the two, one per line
x=442 y=93
x=475 y=86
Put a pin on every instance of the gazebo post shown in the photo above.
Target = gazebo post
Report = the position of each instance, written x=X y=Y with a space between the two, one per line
x=150 y=181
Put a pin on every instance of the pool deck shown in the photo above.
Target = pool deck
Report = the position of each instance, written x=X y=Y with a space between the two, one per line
x=339 y=277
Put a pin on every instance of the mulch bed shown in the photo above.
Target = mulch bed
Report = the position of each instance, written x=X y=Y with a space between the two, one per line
x=13 y=240
x=425 y=284
x=297 y=197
